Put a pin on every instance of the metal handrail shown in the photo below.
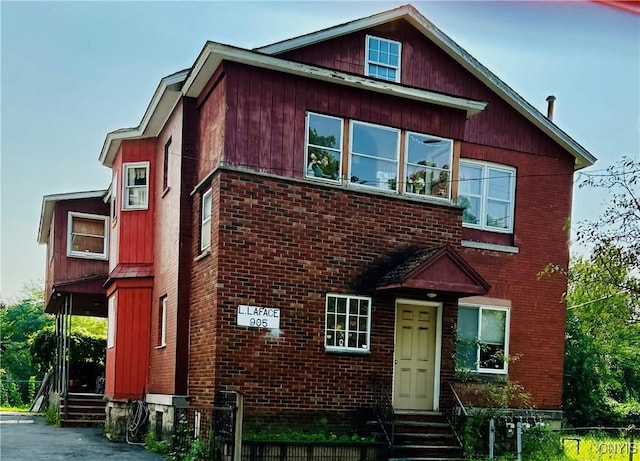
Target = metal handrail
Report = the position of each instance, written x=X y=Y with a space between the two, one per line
x=383 y=409
x=456 y=413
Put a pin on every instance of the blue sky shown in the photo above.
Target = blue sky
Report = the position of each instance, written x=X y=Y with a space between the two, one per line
x=73 y=71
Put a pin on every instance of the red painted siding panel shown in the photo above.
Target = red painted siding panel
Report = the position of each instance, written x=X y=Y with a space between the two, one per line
x=127 y=361
x=425 y=65
x=257 y=104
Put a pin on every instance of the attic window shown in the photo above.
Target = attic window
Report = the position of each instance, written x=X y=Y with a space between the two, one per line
x=382 y=58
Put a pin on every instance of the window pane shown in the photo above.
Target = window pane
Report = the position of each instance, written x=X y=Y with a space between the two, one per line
x=467 y=338
x=88 y=226
x=86 y=244
x=499 y=186
x=471 y=212
x=493 y=326
x=470 y=180
x=324 y=146
x=498 y=214
x=492 y=356
x=372 y=172
x=137 y=196
x=137 y=176
x=375 y=141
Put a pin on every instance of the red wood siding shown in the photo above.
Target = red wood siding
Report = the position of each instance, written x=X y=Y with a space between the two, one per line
x=212 y=125
x=425 y=65
x=265 y=121
x=62 y=268
x=135 y=242
x=127 y=361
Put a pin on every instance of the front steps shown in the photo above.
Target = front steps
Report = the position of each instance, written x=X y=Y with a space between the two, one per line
x=424 y=436
x=82 y=410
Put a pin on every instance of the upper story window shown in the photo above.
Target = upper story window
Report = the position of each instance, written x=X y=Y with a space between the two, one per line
x=111 y=322
x=165 y=167
x=482 y=339
x=383 y=58
x=205 y=221
x=427 y=167
x=324 y=147
x=114 y=198
x=373 y=155
x=136 y=186
x=87 y=236
x=487 y=193
x=51 y=241
x=348 y=321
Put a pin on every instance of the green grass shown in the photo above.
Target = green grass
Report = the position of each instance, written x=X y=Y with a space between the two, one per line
x=601 y=448
x=21 y=408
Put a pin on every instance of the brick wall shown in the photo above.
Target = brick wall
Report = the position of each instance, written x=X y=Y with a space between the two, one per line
x=285 y=244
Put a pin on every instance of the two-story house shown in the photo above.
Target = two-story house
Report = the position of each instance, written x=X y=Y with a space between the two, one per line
x=364 y=203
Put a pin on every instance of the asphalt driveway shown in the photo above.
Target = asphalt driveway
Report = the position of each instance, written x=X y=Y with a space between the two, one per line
x=25 y=436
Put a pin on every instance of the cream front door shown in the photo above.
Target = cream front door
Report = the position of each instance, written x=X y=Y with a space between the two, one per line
x=415 y=355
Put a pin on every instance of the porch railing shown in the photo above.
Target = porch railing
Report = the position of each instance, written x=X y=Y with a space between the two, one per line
x=455 y=412
x=383 y=409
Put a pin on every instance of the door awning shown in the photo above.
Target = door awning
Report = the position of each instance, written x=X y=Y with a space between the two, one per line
x=439 y=270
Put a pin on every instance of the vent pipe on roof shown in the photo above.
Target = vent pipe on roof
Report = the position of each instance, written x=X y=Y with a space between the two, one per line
x=550 y=102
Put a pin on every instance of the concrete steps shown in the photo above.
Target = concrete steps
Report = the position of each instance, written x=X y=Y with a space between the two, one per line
x=424 y=436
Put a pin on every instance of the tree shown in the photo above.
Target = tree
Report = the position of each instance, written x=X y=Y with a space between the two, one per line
x=618 y=227
x=602 y=359
x=19 y=321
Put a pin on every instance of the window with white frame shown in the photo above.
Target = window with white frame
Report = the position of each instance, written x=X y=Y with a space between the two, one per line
x=111 y=322
x=324 y=147
x=348 y=321
x=205 y=220
x=427 y=165
x=383 y=58
x=162 y=322
x=373 y=155
x=487 y=193
x=482 y=339
x=165 y=166
x=87 y=236
x=136 y=186
x=51 y=240
x=114 y=198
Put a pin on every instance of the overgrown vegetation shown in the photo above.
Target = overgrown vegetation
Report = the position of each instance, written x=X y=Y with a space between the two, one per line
x=602 y=361
x=52 y=416
x=294 y=435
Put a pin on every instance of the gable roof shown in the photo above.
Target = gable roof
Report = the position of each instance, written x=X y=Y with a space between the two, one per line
x=583 y=158
x=190 y=82
x=437 y=269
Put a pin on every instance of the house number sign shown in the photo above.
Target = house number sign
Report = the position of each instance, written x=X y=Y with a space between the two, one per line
x=263 y=317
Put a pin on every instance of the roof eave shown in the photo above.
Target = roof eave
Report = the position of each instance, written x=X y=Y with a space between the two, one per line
x=162 y=103
x=214 y=53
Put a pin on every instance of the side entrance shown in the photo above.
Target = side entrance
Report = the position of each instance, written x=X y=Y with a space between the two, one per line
x=416 y=374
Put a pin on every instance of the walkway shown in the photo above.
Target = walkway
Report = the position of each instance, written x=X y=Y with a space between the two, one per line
x=25 y=436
